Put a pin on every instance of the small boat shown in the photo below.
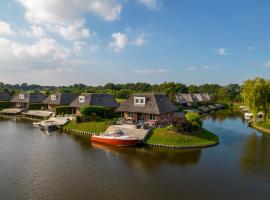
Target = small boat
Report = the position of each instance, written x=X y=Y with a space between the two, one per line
x=248 y=115
x=116 y=138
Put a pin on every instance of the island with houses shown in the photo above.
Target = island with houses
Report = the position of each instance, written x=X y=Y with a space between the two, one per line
x=151 y=119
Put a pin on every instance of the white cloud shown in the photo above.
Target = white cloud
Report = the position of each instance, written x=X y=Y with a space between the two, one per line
x=138 y=41
x=151 y=4
x=93 y=47
x=5 y=29
x=77 y=47
x=35 y=31
x=150 y=71
x=267 y=64
x=191 y=68
x=44 y=50
x=222 y=51
x=119 y=42
x=74 y=31
x=66 y=11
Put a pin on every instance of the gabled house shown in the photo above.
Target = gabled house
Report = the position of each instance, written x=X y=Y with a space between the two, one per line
x=59 y=99
x=5 y=97
x=23 y=100
x=149 y=107
x=94 y=99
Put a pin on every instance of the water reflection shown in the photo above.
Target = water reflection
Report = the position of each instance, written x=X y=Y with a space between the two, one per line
x=255 y=159
x=150 y=158
x=222 y=115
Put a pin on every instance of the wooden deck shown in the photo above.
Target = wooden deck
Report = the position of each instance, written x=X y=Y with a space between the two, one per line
x=37 y=114
x=11 y=112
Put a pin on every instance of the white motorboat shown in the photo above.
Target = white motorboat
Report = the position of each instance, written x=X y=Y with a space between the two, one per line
x=248 y=115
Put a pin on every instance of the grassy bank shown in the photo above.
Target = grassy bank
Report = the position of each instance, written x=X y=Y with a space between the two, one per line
x=96 y=127
x=163 y=136
x=262 y=126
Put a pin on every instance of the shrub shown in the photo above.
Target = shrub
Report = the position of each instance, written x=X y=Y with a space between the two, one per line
x=36 y=106
x=78 y=119
x=4 y=105
x=99 y=111
x=194 y=119
x=180 y=125
x=61 y=110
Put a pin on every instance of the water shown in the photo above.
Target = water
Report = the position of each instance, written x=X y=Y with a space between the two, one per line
x=34 y=165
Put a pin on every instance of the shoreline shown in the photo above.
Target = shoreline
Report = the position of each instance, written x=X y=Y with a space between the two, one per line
x=261 y=129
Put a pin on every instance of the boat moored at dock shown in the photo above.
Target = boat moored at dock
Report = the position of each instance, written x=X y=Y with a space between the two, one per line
x=117 y=138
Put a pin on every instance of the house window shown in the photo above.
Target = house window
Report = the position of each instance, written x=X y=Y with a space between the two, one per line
x=21 y=96
x=139 y=101
x=153 y=117
x=53 y=97
x=164 y=117
x=130 y=114
x=81 y=99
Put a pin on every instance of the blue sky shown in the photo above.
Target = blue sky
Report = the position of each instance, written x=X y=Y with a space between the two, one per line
x=98 y=41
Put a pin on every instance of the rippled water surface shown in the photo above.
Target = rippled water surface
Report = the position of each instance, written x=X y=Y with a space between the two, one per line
x=35 y=165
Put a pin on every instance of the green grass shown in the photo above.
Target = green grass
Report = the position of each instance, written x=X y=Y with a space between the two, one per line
x=264 y=124
x=165 y=136
x=96 y=127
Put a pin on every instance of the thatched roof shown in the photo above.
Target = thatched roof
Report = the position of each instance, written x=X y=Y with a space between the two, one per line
x=191 y=98
x=95 y=99
x=29 y=98
x=4 y=96
x=60 y=99
x=185 y=98
x=154 y=104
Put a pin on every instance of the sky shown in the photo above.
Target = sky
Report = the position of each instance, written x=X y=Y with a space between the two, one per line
x=62 y=42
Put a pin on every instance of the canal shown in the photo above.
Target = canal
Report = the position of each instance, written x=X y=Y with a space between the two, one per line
x=35 y=165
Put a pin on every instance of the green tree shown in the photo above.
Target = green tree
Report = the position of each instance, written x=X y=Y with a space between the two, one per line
x=256 y=95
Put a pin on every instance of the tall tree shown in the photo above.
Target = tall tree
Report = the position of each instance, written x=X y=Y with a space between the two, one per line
x=256 y=95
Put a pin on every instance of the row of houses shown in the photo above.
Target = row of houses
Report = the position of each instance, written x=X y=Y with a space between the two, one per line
x=151 y=107
x=189 y=99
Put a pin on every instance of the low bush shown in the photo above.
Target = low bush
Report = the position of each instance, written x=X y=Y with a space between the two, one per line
x=97 y=111
x=78 y=119
x=36 y=106
x=194 y=119
x=180 y=125
x=4 y=105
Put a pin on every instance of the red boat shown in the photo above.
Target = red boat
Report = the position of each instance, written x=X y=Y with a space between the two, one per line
x=117 y=138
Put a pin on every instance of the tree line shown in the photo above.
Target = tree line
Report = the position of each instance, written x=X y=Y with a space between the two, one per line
x=229 y=92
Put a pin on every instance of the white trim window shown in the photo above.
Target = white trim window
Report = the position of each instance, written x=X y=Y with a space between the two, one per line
x=53 y=97
x=21 y=96
x=139 y=101
x=81 y=99
x=153 y=117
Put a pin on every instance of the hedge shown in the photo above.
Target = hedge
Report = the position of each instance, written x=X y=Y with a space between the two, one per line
x=100 y=111
x=4 y=105
x=36 y=106
x=61 y=110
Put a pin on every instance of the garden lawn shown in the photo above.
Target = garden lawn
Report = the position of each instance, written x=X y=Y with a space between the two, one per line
x=165 y=136
x=96 y=127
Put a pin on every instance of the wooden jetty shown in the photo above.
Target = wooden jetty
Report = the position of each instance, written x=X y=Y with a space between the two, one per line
x=11 y=112
x=37 y=114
